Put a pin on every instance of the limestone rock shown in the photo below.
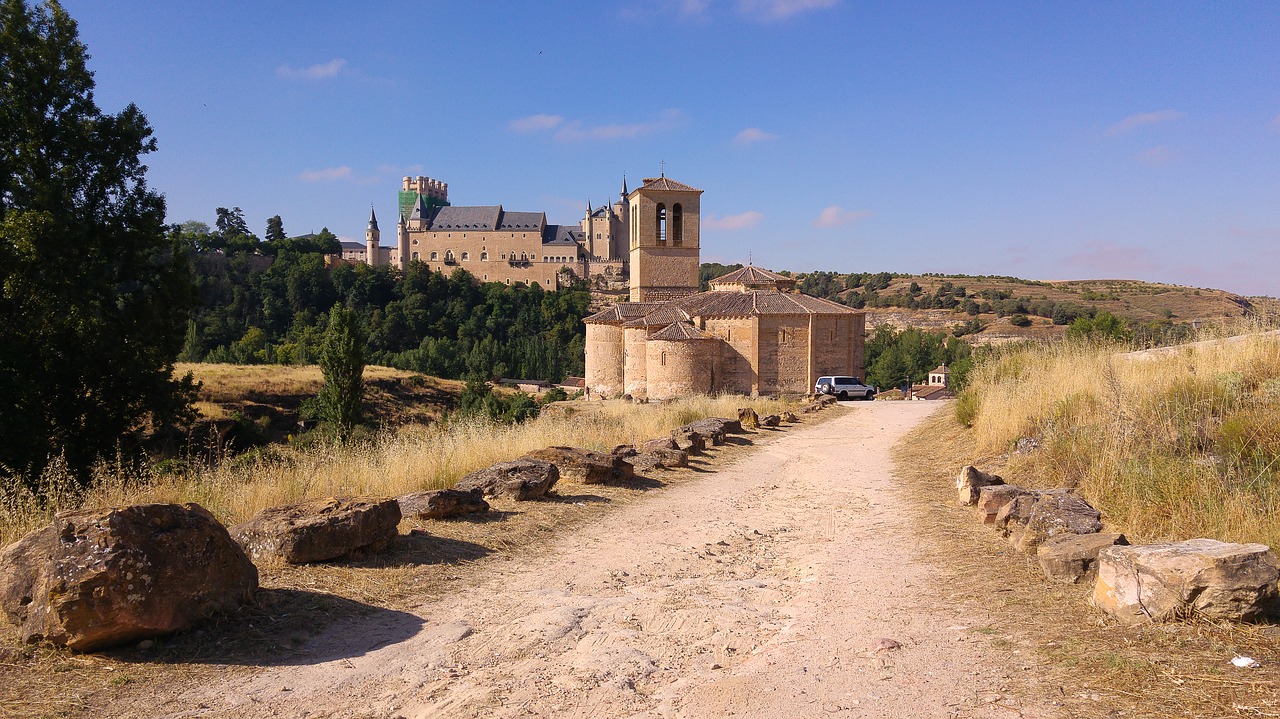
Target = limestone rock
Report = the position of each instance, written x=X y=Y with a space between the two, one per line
x=1069 y=558
x=811 y=408
x=1196 y=578
x=585 y=466
x=771 y=420
x=319 y=529
x=656 y=444
x=747 y=418
x=623 y=450
x=103 y=577
x=690 y=442
x=671 y=458
x=970 y=483
x=1015 y=513
x=1055 y=514
x=442 y=503
x=520 y=479
x=993 y=498
x=790 y=417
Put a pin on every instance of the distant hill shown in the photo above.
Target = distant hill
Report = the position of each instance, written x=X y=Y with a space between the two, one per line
x=990 y=309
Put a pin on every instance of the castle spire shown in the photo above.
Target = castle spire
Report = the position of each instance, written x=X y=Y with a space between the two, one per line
x=419 y=209
x=624 y=185
x=373 y=219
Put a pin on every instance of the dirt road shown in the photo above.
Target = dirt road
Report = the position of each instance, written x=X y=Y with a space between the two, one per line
x=764 y=589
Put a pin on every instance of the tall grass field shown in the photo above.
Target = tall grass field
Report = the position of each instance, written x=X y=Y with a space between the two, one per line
x=1169 y=444
x=416 y=458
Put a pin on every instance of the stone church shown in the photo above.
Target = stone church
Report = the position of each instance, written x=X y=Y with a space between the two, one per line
x=753 y=333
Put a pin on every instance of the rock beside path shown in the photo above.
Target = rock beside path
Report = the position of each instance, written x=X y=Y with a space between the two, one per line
x=1055 y=514
x=993 y=498
x=656 y=444
x=520 y=479
x=970 y=483
x=748 y=418
x=586 y=466
x=771 y=420
x=1196 y=578
x=320 y=529
x=1070 y=558
x=98 y=578
x=689 y=442
x=442 y=503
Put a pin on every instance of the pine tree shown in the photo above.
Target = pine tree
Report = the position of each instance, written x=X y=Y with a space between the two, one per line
x=94 y=294
x=341 y=399
x=275 y=229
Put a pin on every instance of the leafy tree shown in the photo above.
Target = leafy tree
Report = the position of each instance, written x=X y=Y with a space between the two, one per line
x=341 y=399
x=93 y=291
x=275 y=229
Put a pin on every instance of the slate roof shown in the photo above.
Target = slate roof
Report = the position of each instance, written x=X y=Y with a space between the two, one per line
x=349 y=245
x=561 y=235
x=661 y=316
x=754 y=303
x=680 y=332
x=520 y=220
x=666 y=184
x=463 y=217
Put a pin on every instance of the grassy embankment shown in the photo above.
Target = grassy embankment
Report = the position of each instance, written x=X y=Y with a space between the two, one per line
x=1169 y=445
x=409 y=459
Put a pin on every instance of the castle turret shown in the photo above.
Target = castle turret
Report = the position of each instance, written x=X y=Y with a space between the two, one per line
x=372 y=239
x=420 y=214
x=402 y=242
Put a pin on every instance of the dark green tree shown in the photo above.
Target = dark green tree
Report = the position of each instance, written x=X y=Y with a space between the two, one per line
x=341 y=399
x=94 y=292
x=275 y=229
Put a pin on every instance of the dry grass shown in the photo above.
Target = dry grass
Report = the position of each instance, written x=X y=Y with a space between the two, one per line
x=1085 y=661
x=407 y=460
x=1168 y=444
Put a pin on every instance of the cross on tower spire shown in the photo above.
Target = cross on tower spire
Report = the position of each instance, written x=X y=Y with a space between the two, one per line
x=662 y=164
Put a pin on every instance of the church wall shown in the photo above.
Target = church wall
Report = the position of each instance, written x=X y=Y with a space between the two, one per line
x=663 y=273
x=634 y=341
x=736 y=353
x=839 y=345
x=606 y=360
x=680 y=369
x=784 y=354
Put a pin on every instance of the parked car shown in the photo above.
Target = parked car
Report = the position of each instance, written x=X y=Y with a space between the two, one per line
x=844 y=388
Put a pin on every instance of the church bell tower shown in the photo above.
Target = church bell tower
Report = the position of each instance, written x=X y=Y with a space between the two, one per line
x=663 y=217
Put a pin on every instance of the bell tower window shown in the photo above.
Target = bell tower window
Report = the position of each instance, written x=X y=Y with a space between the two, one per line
x=662 y=224
x=677 y=225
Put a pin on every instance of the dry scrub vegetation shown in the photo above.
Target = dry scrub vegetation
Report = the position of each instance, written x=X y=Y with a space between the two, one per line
x=1169 y=444
x=409 y=459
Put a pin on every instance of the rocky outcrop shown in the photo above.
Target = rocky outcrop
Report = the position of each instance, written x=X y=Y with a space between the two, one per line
x=520 y=479
x=103 y=577
x=747 y=418
x=320 y=529
x=970 y=483
x=771 y=420
x=1070 y=558
x=442 y=503
x=1055 y=514
x=585 y=466
x=993 y=498
x=1196 y=578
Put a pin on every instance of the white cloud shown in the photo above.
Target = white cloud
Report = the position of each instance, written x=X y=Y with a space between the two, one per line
x=1158 y=155
x=729 y=223
x=328 y=174
x=752 y=135
x=770 y=10
x=1133 y=122
x=535 y=123
x=314 y=72
x=834 y=216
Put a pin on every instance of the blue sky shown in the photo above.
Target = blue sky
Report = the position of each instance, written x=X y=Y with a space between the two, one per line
x=1043 y=140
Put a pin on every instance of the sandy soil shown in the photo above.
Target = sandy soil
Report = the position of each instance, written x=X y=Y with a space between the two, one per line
x=777 y=586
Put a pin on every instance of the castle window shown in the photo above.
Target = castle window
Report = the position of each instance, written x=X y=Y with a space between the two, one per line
x=484 y=256
x=508 y=280
x=677 y=224
x=661 y=227
x=435 y=255
x=504 y=255
x=597 y=235
x=415 y=242
x=466 y=256
x=415 y=255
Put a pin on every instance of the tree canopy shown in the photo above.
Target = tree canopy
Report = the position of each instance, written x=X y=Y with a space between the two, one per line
x=94 y=293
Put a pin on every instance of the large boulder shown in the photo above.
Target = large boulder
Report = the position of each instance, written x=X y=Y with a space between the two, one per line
x=1070 y=558
x=1015 y=514
x=521 y=479
x=658 y=459
x=747 y=418
x=1055 y=514
x=442 y=503
x=102 y=577
x=660 y=443
x=689 y=441
x=1196 y=578
x=714 y=428
x=970 y=483
x=320 y=529
x=623 y=451
x=771 y=420
x=790 y=417
x=585 y=466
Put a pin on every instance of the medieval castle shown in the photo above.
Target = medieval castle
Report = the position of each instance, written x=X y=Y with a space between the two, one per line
x=752 y=333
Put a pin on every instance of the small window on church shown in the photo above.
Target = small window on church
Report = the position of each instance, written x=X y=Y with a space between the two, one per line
x=677 y=225
x=661 y=227
x=664 y=359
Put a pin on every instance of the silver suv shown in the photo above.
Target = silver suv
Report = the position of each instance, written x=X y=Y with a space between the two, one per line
x=844 y=388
